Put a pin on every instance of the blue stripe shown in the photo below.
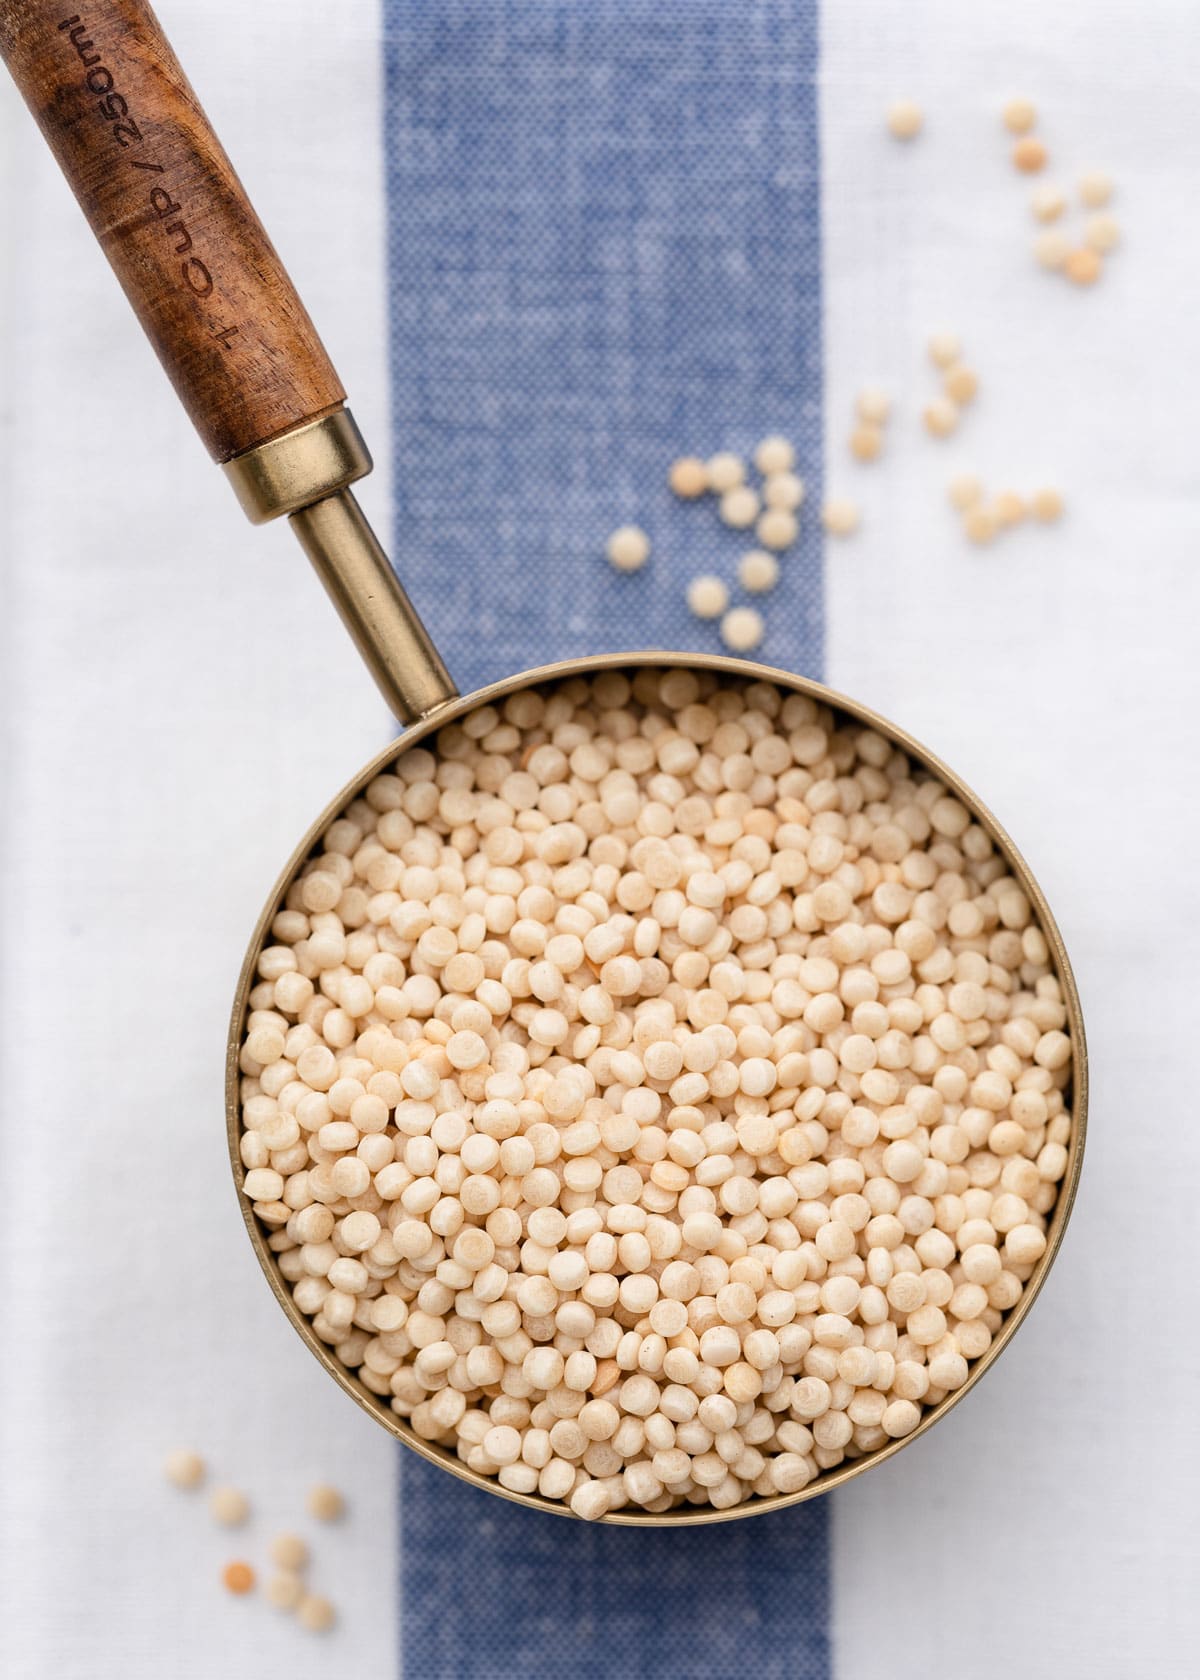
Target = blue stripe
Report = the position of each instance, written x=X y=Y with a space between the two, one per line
x=604 y=250
x=492 y=1592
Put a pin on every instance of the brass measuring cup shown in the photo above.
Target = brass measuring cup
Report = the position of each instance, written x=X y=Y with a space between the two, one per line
x=203 y=278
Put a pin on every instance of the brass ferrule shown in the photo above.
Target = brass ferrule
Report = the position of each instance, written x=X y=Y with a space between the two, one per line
x=299 y=468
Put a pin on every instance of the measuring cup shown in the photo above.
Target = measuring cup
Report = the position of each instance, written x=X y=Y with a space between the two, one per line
x=245 y=360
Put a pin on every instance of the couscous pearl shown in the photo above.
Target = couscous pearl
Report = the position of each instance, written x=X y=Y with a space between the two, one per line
x=777 y=528
x=758 y=571
x=900 y=1418
x=1102 y=232
x=742 y=629
x=784 y=491
x=873 y=405
x=289 y=1551
x=979 y=523
x=238 y=1578
x=965 y=491
x=325 y=1502
x=1024 y=1244
x=905 y=119
x=1008 y=508
x=1048 y=203
x=940 y=417
x=465 y=1050
x=945 y=348
x=1095 y=189
x=1052 y=248
x=961 y=384
x=315 y=1614
x=774 y=455
x=1046 y=505
x=1019 y=115
x=839 y=516
x=1083 y=266
x=688 y=477
x=229 y=1506
x=185 y=1468
x=628 y=548
x=725 y=472
x=707 y=597
x=740 y=507
x=688 y=1139
x=866 y=442
x=1029 y=155
x=284 y=1590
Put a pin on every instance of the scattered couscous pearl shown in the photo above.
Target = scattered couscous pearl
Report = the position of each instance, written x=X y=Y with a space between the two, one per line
x=229 y=1506
x=725 y=472
x=315 y=1614
x=1046 y=505
x=783 y=490
x=1083 y=266
x=866 y=442
x=688 y=477
x=184 y=1467
x=707 y=596
x=758 y=571
x=961 y=384
x=1029 y=155
x=284 y=1590
x=900 y=1418
x=965 y=491
x=1052 y=248
x=873 y=405
x=712 y=1091
x=774 y=455
x=940 y=417
x=839 y=516
x=905 y=119
x=742 y=629
x=777 y=528
x=740 y=506
x=1008 y=508
x=289 y=1551
x=1095 y=189
x=1048 y=203
x=325 y=1502
x=628 y=548
x=945 y=348
x=238 y=1578
x=979 y=523
x=1019 y=116
x=1102 y=232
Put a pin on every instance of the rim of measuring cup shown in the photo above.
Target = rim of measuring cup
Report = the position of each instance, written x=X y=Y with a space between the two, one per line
x=744 y=671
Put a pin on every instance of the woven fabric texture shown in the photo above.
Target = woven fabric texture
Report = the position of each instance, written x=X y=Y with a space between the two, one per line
x=604 y=250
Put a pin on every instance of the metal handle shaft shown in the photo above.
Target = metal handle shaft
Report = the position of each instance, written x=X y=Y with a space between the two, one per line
x=393 y=642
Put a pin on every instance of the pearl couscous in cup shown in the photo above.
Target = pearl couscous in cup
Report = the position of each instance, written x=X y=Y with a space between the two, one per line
x=1010 y=1263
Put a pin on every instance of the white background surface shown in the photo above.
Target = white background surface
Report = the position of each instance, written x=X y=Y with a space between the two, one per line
x=178 y=702
x=1053 y=1513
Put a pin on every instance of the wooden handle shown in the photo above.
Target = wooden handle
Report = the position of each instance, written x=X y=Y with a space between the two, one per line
x=163 y=200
